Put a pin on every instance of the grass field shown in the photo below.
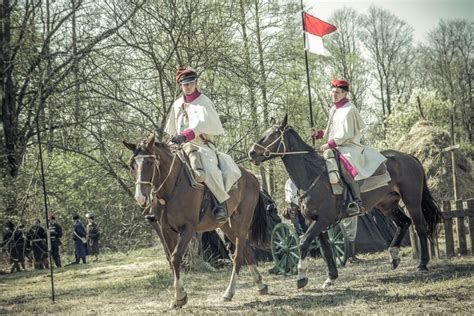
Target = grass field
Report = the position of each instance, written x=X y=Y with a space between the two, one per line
x=141 y=282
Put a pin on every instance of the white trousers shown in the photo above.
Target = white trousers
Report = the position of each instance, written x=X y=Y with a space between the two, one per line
x=219 y=182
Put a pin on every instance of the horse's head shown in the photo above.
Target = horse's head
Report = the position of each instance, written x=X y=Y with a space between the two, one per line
x=271 y=144
x=144 y=166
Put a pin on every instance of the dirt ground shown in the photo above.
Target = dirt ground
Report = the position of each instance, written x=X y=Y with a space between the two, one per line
x=140 y=282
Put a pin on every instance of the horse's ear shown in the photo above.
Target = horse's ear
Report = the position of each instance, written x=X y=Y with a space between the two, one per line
x=284 y=122
x=132 y=147
x=150 y=142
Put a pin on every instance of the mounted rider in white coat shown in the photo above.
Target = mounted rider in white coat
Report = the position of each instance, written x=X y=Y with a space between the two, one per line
x=193 y=120
x=344 y=134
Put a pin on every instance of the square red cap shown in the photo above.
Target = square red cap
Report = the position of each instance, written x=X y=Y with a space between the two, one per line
x=339 y=83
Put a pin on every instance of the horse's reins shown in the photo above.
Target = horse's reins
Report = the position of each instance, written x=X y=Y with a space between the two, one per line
x=267 y=153
x=154 y=190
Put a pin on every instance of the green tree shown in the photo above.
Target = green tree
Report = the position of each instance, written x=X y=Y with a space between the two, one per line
x=447 y=66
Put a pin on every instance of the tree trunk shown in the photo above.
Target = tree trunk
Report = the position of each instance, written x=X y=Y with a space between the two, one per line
x=250 y=82
x=268 y=186
x=8 y=150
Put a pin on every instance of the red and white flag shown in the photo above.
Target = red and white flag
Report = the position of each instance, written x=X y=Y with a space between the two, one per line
x=315 y=29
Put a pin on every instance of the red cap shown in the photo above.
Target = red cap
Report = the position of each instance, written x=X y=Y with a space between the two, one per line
x=339 y=83
x=185 y=72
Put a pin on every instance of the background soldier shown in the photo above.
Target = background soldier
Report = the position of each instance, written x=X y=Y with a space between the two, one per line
x=350 y=227
x=93 y=236
x=37 y=238
x=293 y=212
x=56 y=232
x=80 y=242
x=13 y=242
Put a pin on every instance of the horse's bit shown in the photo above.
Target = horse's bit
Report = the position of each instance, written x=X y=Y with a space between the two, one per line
x=267 y=153
x=154 y=191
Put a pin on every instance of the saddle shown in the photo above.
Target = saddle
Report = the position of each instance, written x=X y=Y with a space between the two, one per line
x=208 y=199
x=381 y=177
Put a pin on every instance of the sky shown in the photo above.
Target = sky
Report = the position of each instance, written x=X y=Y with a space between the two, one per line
x=422 y=15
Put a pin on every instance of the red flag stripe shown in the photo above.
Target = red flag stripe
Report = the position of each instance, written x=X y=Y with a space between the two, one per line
x=316 y=26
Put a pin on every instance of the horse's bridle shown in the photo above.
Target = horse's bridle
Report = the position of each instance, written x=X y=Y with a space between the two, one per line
x=267 y=153
x=156 y=166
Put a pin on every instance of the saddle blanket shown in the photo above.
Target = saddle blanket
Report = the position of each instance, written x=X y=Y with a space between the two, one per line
x=366 y=185
x=198 y=185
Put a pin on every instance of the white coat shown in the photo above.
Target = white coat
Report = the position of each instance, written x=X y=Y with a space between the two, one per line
x=344 y=127
x=201 y=116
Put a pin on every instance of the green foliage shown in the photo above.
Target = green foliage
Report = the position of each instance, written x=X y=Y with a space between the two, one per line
x=405 y=115
x=123 y=87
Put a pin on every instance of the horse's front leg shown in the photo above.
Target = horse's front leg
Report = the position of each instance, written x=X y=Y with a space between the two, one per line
x=156 y=226
x=313 y=230
x=180 y=295
x=329 y=257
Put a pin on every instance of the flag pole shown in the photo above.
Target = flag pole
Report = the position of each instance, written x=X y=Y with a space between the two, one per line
x=43 y=181
x=307 y=71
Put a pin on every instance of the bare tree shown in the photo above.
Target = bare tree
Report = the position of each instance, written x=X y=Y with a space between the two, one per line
x=35 y=66
x=348 y=61
x=389 y=43
x=448 y=62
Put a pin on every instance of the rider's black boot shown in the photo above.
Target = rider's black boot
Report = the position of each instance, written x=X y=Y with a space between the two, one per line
x=355 y=206
x=220 y=212
x=151 y=218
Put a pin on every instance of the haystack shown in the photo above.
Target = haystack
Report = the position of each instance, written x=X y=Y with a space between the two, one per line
x=426 y=142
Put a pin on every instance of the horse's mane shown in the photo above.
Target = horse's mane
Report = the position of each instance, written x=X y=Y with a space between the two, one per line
x=314 y=162
x=165 y=148
x=161 y=145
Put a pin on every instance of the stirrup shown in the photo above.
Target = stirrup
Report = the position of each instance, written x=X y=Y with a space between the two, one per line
x=355 y=208
x=220 y=213
x=151 y=218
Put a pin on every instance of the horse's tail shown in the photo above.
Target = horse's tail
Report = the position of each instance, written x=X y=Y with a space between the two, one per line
x=258 y=234
x=430 y=208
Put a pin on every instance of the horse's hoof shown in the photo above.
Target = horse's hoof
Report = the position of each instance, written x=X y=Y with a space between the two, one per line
x=395 y=263
x=181 y=302
x=226 y=298
x=422 y=269
x=301 y=283
x=328 y=283
x=264 y=290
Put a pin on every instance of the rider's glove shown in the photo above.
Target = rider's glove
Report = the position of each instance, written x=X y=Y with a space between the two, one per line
x=178 y=139
x=317 y=133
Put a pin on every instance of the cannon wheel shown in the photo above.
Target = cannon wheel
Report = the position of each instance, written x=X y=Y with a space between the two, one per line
x=339 y=243
x=285 y=250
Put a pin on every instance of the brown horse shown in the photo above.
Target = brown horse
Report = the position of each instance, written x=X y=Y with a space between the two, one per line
x=162 y=184
x=308 y=171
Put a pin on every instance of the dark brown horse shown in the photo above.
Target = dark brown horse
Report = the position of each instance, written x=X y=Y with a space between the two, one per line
x=308 y=171
x=162 y=184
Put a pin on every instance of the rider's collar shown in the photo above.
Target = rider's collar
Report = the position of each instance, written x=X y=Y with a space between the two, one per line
x=193 y=96
x=341 y=103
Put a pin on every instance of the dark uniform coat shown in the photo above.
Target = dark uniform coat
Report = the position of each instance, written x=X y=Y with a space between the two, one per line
x=93 y=236
x=14 y=244
x=37 y=238
x=80 y=242
x=56 y=232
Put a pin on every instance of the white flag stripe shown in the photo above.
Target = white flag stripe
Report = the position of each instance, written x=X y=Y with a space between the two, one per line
x=314 y=44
